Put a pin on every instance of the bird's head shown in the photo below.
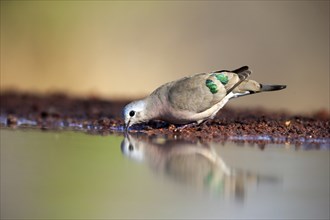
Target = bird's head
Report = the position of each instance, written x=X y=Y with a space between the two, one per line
x=133 y=148
x=134 y=113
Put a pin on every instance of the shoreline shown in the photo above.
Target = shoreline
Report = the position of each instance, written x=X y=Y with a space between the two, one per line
x=100 y=116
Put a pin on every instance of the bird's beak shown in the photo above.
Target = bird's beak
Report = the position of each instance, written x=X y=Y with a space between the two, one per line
x=127 y=126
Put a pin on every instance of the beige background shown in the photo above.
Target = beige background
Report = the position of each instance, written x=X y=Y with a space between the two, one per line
x=127 y=49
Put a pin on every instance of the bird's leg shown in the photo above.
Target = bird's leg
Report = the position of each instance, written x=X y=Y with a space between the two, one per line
x=190 y=125
x=204 y=122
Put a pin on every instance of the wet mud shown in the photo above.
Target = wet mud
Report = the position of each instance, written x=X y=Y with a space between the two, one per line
x=100 y=116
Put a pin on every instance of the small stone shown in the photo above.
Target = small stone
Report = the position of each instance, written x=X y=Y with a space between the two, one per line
x=11 y=120
x=105 y=122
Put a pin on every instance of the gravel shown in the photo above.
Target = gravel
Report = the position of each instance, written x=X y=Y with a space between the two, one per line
x=95 y=115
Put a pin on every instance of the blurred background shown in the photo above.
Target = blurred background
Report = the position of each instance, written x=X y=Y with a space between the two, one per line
x=114 y=49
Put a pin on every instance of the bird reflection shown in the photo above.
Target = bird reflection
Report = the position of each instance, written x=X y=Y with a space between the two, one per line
x=195 y=164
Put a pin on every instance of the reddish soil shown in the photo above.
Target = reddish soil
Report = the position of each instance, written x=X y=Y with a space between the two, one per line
x=94 y=115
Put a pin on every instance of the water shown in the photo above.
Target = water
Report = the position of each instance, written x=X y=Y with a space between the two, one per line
x=76 y=175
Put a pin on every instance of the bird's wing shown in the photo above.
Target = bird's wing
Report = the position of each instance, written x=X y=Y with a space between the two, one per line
x=200 y=92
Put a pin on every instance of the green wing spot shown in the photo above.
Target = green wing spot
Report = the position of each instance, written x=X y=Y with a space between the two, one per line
x=222 y=78
x=208 y=178
x=212 y=86
x=209 y=82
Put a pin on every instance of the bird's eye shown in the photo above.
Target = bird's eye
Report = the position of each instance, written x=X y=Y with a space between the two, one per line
x=130 y=148
x=131 y=113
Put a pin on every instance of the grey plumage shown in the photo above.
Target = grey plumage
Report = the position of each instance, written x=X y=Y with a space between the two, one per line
x=194 y=98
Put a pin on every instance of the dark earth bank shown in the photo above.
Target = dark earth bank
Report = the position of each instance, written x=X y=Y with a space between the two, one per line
x=94 y=115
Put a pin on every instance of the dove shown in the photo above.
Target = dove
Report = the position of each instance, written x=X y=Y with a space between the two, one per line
x=194 y=99
x=197 y=164
x=176 y=156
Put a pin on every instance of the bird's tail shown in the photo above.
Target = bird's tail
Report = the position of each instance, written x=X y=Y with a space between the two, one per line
x=271 y=87
x=242 y=86
x=249 y=87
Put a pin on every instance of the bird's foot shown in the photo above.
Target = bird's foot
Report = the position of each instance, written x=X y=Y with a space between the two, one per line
x=179 y=128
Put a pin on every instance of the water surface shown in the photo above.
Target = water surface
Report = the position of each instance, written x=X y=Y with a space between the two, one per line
x=76 y=175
